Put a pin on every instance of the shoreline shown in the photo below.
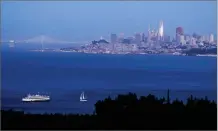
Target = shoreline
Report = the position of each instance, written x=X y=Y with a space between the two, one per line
x=199 y=55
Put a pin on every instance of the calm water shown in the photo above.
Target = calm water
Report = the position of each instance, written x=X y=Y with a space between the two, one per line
x=65 y=75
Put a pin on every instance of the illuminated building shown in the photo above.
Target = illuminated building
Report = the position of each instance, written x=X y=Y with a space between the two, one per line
x=160 y=31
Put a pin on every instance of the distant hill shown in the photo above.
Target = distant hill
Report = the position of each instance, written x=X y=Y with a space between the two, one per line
x=100 y=41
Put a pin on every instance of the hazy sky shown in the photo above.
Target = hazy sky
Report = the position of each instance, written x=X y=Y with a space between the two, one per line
x=89 y=20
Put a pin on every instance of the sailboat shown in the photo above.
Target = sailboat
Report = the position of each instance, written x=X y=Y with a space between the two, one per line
x=82 y=97
x=42 y=42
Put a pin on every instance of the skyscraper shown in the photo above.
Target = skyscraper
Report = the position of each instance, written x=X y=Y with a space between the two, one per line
x=207 y=38
x=138 y=38
x=113 y=38
x=182 y=39
x=143 y=37
x=160 y=31
x=149 y=34
x=211 y=40
x=179 y=30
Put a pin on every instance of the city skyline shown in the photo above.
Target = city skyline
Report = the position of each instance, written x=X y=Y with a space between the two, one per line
x=58 y=23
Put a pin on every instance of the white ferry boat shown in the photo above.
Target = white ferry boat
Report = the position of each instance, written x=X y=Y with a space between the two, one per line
x=35 y=98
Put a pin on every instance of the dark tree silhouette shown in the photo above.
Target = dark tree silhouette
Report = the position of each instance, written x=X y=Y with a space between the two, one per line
x=125 y=112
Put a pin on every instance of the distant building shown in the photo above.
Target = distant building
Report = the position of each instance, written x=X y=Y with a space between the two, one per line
x=180 y=31
x=193 y=41
x=120 y=38
x=161 y=31
x=149 y=34
x=207 y=38
x=211 y=40
x=167 y=38
x=128 y=40
x=194 y=35
x=113 y=38
x=187 y=37
x=203 y=38
x=138 y=38
x=177 y=38
x=143 y=37
x=134 y=47
x=182 y=39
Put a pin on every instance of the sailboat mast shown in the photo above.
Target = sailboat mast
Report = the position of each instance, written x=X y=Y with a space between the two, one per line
x=42 y=42
x=83 y=96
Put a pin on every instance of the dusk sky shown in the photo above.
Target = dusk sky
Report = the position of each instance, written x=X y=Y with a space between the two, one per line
x=78 y=21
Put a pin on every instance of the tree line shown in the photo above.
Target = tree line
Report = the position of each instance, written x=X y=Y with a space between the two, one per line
x=127 y=111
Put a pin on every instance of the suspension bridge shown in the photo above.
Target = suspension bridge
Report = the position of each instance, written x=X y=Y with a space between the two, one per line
x=48 y=40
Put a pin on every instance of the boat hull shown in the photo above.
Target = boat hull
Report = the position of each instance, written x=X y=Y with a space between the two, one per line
x=34 y=100
x=83 y=100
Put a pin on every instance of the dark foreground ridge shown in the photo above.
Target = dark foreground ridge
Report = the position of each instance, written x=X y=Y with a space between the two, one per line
x=124 y=112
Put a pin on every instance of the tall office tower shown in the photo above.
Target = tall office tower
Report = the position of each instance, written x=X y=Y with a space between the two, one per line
x=143 y=37
x=120 y=38
x=211 y=40
x=187 y=38
x=179 y=31
x=182 y=39
x=149 y=34
x=167 y=38
x=160 y=31
x=138 y=38
x=155 y=33
x=177 y=38
x=207 y=39
x=113 y=38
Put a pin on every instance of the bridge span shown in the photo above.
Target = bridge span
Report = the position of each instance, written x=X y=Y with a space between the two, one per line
x=49 y=40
